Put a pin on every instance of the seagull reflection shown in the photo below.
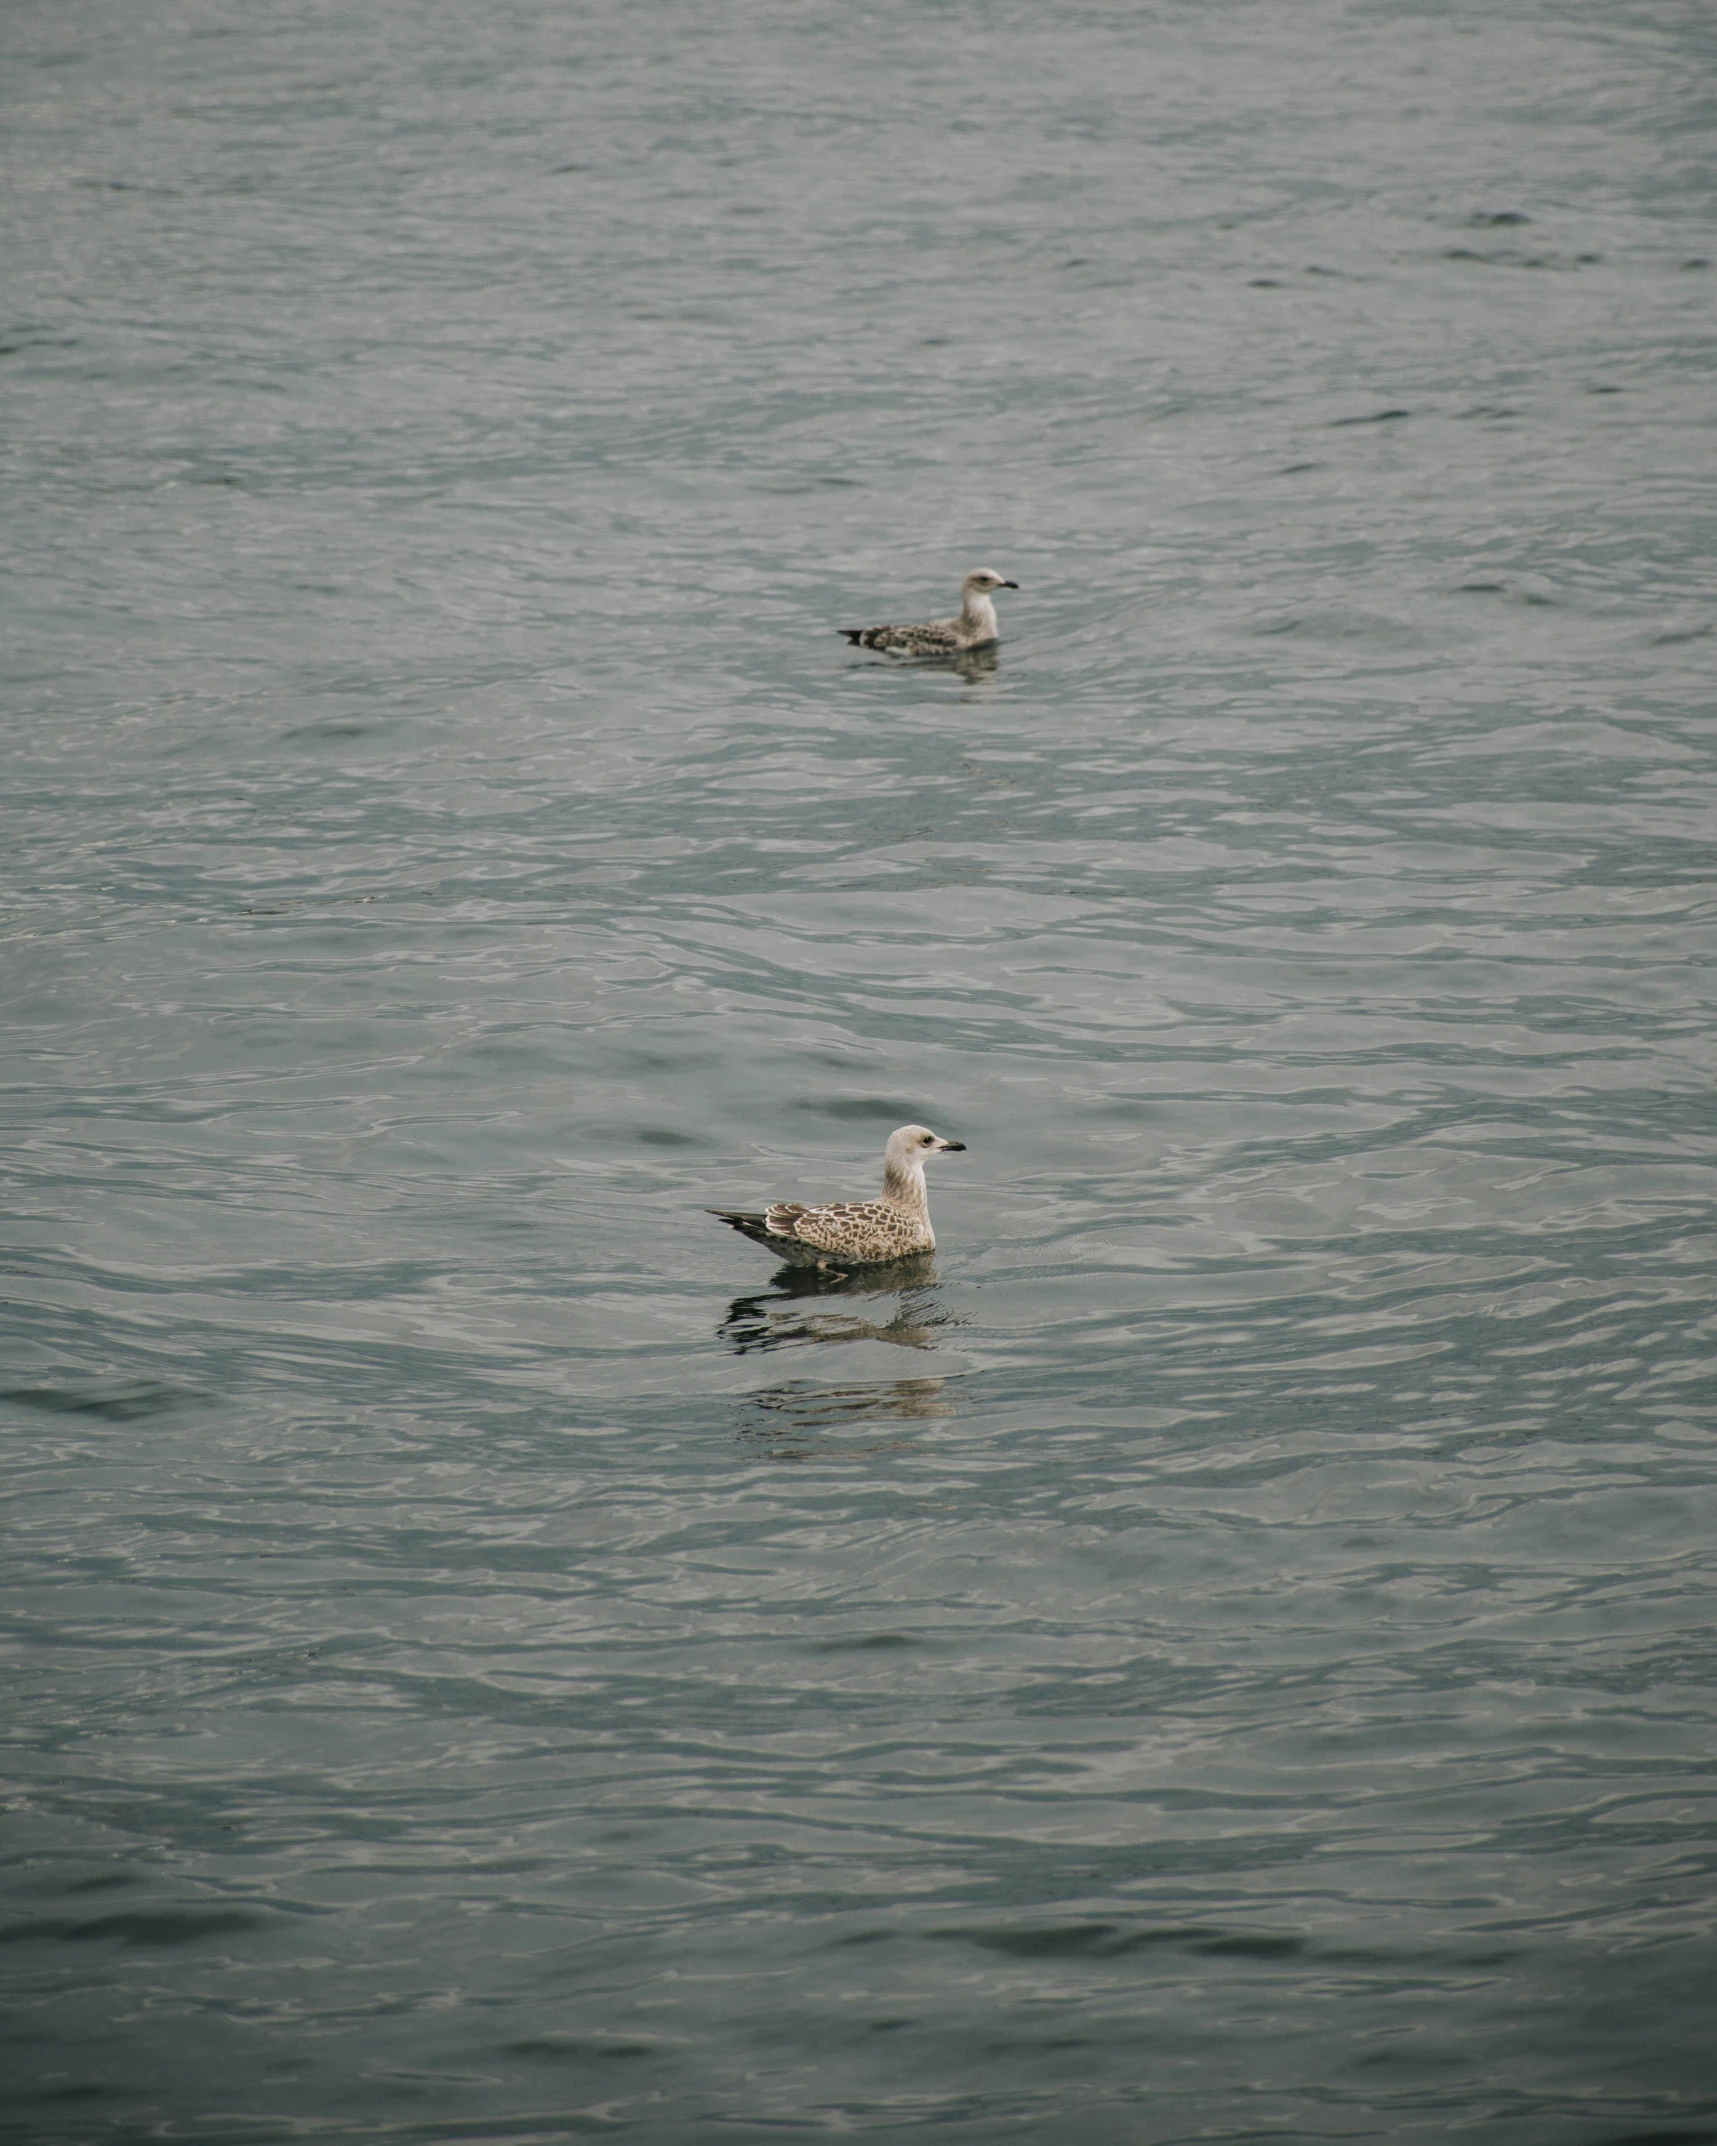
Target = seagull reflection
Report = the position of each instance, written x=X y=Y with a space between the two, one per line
x=899 y=1304
x=975 y=663
x=782 y=1318
x=969 y=664
x=803 y=1410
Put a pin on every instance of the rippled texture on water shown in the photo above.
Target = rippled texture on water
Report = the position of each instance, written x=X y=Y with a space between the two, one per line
x=1223 y=1651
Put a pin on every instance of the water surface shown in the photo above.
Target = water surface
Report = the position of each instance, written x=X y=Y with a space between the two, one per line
x=1226 y=1650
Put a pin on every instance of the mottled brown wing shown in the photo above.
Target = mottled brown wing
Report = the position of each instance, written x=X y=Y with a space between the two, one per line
x=783 y=1216
x=930 y=640
x=859 y=1229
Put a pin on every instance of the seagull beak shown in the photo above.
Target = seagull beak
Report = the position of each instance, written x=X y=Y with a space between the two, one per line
x=1010 y=584
x=952 y=1147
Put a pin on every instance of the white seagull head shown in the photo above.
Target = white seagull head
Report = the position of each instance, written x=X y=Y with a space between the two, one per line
x=913 y=1145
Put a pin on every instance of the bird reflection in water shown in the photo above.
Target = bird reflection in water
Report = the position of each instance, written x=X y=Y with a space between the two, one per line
x=783 y=1317
x=809 y=1307
x=967 y=664
x=975 y=663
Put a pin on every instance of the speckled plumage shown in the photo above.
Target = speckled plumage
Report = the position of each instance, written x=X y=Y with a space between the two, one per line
x=975 y=627
x=856 y=1233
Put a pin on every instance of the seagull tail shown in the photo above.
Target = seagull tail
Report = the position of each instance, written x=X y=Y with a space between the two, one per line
x=754 y=1226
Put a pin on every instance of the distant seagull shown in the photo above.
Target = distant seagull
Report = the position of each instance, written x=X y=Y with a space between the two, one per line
x=974 y=628
x=857 y=1233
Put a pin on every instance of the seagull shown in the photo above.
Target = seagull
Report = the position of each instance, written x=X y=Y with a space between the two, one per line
x=857 y=1233
x=974 y=628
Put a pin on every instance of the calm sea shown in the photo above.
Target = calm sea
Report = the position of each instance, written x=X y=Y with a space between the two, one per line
x=1228 y=1653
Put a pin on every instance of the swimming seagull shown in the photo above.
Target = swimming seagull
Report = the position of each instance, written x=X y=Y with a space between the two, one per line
x=857 y=1233
x=974 y=628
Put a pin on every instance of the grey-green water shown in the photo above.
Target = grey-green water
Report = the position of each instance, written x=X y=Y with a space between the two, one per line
x=1226 y=1656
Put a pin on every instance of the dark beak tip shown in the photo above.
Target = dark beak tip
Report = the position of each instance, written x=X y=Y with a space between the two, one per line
x=1010 y=584
x=953 y=1147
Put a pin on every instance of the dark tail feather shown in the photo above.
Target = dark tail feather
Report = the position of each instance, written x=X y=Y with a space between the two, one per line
x=756 y=1227
x=855 y=634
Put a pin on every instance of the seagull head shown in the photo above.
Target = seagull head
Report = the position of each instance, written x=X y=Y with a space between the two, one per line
x=913 y=1145
x=984 y=581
